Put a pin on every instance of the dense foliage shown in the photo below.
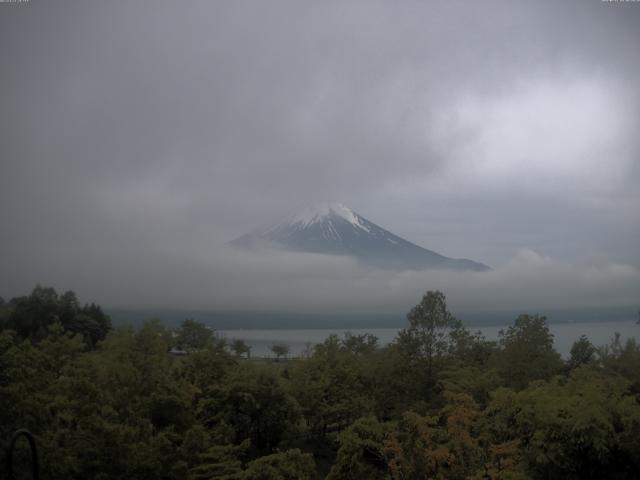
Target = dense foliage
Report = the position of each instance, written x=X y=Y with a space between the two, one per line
x=439 y=402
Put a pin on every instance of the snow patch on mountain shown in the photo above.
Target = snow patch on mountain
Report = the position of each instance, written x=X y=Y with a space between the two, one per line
x=320 y=212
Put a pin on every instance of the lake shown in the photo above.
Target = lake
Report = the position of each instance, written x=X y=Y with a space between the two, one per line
x=298 y=340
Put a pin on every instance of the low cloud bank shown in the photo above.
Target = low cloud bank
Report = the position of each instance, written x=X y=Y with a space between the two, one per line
x=279 y=281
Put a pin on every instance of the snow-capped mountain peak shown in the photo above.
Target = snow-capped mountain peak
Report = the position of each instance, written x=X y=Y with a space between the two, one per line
x=333 y=228
x=321 y=212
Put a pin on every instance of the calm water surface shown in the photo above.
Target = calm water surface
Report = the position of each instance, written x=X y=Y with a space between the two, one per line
x=299 y=340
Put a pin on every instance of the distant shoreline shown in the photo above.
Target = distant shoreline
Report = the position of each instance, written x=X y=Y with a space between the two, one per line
x=300 y=321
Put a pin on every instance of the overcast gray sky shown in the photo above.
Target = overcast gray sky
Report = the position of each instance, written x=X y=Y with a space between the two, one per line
x=138 y=137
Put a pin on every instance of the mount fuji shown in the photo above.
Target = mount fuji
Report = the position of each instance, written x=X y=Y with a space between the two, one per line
x=335 y=229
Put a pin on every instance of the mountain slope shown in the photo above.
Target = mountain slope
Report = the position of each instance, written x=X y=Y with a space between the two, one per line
x=336 y=229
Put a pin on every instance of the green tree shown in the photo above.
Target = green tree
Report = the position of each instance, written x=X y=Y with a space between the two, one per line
x=255 y=405
x=92 y=322
x=334 y=386
x=622 y=359
x=61 y=347
x=193 y=335
x=578 y=428
x=206 y=368
x=425 y=347
x=362 y=451
x=360 y=344
x=280 y=350
x=24 y=380
x=582 y=352
x=31 y=316
x=527 y=352
x=470 y=349
x=240 y=348
x=430 y=324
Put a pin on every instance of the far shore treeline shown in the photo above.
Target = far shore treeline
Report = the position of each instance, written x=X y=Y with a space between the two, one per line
x=160 y=402
x=233 y=320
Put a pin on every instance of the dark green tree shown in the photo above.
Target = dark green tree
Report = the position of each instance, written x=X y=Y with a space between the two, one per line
x=527 y=352
x=574 y=428
x=362 y=451
x=428 y=338
x=254 y=404
x=194 y=335
x=31 y=316
x=582 y=352
x=240 y=348
x=360 y=344
x=280 y=350
x=333 y=387
x=622 y=359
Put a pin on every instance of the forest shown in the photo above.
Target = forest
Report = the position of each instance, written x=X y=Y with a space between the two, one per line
x=440 y=402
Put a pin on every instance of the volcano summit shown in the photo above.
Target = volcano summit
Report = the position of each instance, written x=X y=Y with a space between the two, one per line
x=336 y=229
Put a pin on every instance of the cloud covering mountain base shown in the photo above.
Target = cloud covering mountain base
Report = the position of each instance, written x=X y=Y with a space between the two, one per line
x=280 y=281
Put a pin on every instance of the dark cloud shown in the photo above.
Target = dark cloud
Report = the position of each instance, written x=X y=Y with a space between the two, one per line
x=138 y=138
